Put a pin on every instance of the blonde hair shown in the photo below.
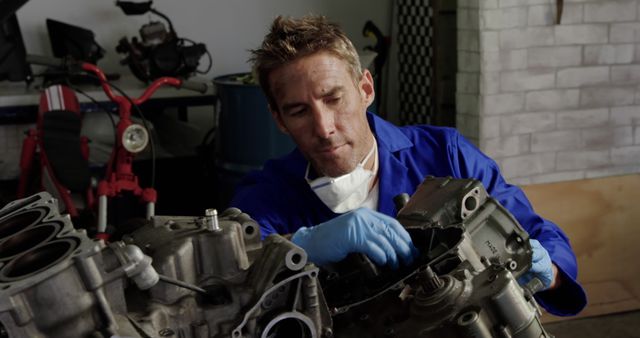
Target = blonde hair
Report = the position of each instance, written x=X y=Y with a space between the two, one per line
x=290 y=39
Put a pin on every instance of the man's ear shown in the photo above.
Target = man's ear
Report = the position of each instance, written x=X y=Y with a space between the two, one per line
x=278 y=119
x=367 y=87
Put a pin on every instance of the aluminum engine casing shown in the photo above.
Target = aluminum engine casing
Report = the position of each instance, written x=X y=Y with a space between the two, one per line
x=56 y=282
x=462 y=285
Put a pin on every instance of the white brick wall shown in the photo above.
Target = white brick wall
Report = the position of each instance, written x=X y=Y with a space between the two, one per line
x=554 y=99
x=582 y=76
x=610 y=11
x=502 y=103
x=506 y=146
x=625 y=74
x=625 y=33
x=555 y=102
x=528 y=165
x=533 y=79
x=504 y=18
x=526 y=37
x=608 y=54
x=560 y=56
x=624 y=116
x=583 y=159
x=545 y=142
x=541 y=15
x=527 y=123
x=581 y=34
x=607 y=96
x=583 y=118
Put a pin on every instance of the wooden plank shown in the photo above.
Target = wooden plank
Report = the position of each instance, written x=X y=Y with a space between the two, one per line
x=601 y=218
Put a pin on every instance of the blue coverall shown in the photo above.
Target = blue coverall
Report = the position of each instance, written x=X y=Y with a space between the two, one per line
x=280 y=200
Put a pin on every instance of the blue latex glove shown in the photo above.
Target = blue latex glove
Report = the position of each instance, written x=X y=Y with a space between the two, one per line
x=363 y=230
x=541 y=266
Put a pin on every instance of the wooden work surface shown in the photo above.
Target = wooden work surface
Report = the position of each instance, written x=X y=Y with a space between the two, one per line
x=601 y=218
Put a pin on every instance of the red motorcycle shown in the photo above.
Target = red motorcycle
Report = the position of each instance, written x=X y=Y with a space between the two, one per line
x=64 y=153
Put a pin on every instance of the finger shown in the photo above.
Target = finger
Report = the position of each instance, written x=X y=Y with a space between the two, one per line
x=534 y=243
x=400 y=247
x=396 y=234
x=382 y=242
x=401 y=233
x=536 y=267
x=396 y=226
x=540 y=266
x=404 y=235
x=374 y=252
x=538 y=253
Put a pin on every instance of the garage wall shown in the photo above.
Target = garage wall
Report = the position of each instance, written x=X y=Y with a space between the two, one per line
x=229 y=28
x=551 y=102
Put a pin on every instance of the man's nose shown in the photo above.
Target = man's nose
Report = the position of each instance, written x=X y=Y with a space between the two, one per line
x=324 y=122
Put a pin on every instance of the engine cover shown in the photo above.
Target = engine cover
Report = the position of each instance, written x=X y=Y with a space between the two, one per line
x=462 y=285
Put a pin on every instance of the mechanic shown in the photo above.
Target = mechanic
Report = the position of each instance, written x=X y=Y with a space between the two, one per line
x=334 y=192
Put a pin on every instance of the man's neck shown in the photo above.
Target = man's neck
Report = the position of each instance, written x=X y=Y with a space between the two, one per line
x=373 y=164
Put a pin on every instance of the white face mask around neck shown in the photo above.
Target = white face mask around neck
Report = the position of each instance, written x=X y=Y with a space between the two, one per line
x=347 y=192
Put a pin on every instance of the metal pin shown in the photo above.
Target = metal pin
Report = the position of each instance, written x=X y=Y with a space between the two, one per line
x=212 y=219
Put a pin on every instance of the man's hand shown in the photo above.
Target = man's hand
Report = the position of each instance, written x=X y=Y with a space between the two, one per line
x=363 y=230
x=541 y=267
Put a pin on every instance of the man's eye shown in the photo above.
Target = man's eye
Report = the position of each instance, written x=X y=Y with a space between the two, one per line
x=334 y=100
x=295 y=112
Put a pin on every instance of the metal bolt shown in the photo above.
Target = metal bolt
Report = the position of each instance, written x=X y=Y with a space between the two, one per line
x=212 y=219
x=429 y=281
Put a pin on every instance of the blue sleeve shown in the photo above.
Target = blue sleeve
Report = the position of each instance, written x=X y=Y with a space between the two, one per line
x=251 y=198
x=569 y=298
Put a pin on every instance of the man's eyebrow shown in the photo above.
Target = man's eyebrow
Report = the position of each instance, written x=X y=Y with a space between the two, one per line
x=333 y=91
x=291 y=105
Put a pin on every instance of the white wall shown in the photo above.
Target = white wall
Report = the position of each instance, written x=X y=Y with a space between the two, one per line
x=551 y=102
x=229 y=28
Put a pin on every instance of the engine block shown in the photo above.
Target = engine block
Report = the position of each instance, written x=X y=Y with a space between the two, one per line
x=210 y=276
x=56 y=282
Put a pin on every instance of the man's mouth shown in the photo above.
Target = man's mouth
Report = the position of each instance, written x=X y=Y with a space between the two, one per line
x=331 y=149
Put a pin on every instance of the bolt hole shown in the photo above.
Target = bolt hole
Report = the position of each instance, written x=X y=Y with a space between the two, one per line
x=467 y=318
x=296 y=258
x=470 y=203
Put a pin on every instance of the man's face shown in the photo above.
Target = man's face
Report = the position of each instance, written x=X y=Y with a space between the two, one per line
x=321 y=106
